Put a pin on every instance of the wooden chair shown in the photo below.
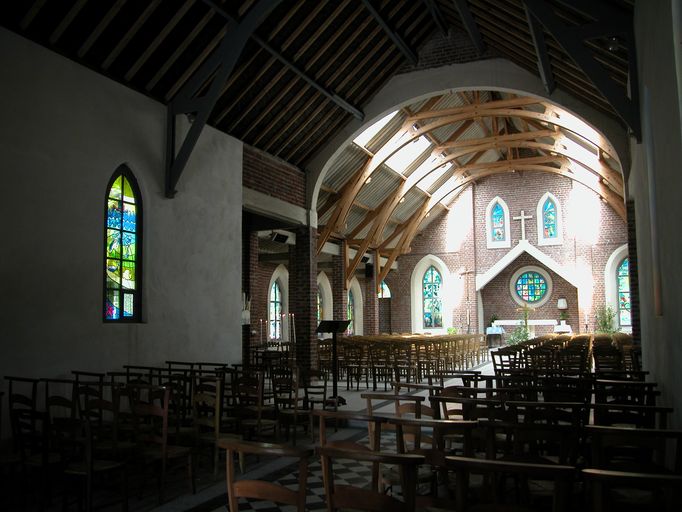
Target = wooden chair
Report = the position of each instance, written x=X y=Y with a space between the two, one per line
x=151 y=434
x=315 y=397
x=290 y=402
x=608 y=490
x=253 y=414
x=260 y=489
x=497 y=471
x=351 y=497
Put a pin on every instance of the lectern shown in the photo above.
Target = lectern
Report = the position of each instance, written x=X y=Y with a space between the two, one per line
x=334 y=327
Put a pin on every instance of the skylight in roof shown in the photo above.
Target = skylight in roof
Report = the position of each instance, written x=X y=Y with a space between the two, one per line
x=369 y=133
x=408 y=154
x=428 y=181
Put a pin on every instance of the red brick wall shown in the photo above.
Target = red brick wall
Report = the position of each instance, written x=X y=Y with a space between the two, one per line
x=272 y=176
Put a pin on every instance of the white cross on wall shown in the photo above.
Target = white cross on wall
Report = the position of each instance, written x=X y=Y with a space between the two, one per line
x=523 y=217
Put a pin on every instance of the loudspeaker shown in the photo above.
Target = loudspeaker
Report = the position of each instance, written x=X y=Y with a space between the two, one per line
x=369 y=270
x=280 y=238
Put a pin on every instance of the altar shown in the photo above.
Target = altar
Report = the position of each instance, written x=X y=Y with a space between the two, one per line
x=531 y=324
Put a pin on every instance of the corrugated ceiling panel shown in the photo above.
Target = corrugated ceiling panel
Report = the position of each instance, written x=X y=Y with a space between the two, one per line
x=413 y=200
x=386 y=133
x=384 y=181
x=346 y=164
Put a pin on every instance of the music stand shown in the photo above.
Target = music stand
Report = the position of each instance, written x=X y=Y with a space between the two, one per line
x=334 y=327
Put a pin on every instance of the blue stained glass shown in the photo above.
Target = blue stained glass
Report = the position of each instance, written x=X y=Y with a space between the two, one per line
x=531 y=286
x=623 y=280
x=497 y=223
x=431 y=300
x=129 y=219
x=549 y=219
x=114 y=214
x=127 y=304
x=128 y=251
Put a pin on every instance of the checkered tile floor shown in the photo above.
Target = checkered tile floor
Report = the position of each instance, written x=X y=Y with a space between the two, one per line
x=345 y=472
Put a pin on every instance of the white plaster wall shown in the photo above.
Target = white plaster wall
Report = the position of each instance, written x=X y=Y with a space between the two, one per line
x=64 y=131
x=661 y=334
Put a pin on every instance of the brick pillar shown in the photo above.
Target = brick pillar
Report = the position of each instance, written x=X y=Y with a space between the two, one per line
x=634 y=272
x=371 y=304
x=249 y=273
x=339 y=292
x=303 y=293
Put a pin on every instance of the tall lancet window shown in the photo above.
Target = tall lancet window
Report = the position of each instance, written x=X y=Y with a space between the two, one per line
x=432 y=301
x=122 y=268
x=623 y=279
x=497 y=224
x=549 y=220
x=275 y=312
x=350 y=314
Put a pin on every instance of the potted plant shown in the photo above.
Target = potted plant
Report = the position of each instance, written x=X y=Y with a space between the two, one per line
x=563 y=316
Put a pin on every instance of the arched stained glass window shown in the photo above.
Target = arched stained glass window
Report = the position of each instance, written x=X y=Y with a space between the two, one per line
x=497 y=223
x=122 y=270
x=432 y=301
x=531 y=287
x=350 y=314
x=549 y=219
x=623 y=279
x=384 y=291
x=275 y=312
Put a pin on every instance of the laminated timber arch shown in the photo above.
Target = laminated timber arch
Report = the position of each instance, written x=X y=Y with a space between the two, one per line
x=523 y=132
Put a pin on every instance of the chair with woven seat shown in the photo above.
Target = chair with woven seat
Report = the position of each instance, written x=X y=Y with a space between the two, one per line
x=253 y=414
x=261 y=489
x=151 y=435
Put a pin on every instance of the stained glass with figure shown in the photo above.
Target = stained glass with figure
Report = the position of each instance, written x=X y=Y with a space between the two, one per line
x=122 y=290
x=549 y=219
x=350 y=314
x=497 y=223
x=531 y=287
x=384 y=291
x=432 y=301
x=623 y=278
x=275 y=311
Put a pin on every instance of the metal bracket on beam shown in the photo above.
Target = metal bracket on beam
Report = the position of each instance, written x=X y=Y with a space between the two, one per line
x=470 y=25
x=572 y=42
x=216 y=70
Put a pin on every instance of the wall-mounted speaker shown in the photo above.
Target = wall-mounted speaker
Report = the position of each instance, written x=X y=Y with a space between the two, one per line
x=369 y=270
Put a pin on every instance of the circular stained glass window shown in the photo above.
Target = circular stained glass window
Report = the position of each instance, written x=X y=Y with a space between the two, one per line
x=531 y=287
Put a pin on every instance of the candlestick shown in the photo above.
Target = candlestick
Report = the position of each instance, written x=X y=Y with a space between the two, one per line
x=261 y=331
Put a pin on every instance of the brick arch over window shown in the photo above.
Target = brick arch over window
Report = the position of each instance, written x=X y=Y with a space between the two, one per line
x=324 y=288
x=417 y=298
x=358 y=317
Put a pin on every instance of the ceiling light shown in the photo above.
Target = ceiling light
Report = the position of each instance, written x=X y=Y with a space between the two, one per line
x=402 y=199
x=415 y=127
x=368 y=181
x=612 y=44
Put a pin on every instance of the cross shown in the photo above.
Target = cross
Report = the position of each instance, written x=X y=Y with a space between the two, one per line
x=523 y=217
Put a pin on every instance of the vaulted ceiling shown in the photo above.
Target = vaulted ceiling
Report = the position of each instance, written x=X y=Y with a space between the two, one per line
x=304 y=68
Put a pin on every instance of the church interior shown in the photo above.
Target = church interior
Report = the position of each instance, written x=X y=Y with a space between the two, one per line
x=431 y=236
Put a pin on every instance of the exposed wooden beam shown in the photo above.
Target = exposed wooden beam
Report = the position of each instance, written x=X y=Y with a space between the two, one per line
x=538 y=37
x=134 y=29
x=626 y=107
x=101 y=27
x=474 y=108
x=469 y=24
x=437 y=16
x=218 y=67
x=391 y=33
x=67 y=20
x=331 y=95
x=31 y=13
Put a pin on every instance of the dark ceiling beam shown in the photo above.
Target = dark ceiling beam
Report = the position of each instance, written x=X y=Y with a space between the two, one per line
x=217 y=68
x=626 y=107
x=437 y=16
x=391 y=33
x=134 y=29
x=469 y=24
x=66 y=21
x=101 y=27
x=538 y=36
x=293 y=67
x=31 y=14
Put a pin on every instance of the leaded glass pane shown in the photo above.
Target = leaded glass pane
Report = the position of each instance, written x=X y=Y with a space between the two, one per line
x=549 y=219
x=384 y=291
x=114 y=214
x=623 y=280
x=350 y=314
x=112 y=305
x=128 y=195
x=129 y=217
x=115 y=191
x=121 y=268
x=531 y=287
x=128 y=305
x=432 y=302
x=497 y=223
x=275 y=311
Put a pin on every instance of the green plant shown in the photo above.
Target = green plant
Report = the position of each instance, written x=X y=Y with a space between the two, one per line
x=605 y=316
x=563 y=315
x=493 y=317
x=452 y=330
x=521 y=333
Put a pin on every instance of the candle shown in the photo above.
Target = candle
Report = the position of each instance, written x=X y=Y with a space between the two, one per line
x=261 y=331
